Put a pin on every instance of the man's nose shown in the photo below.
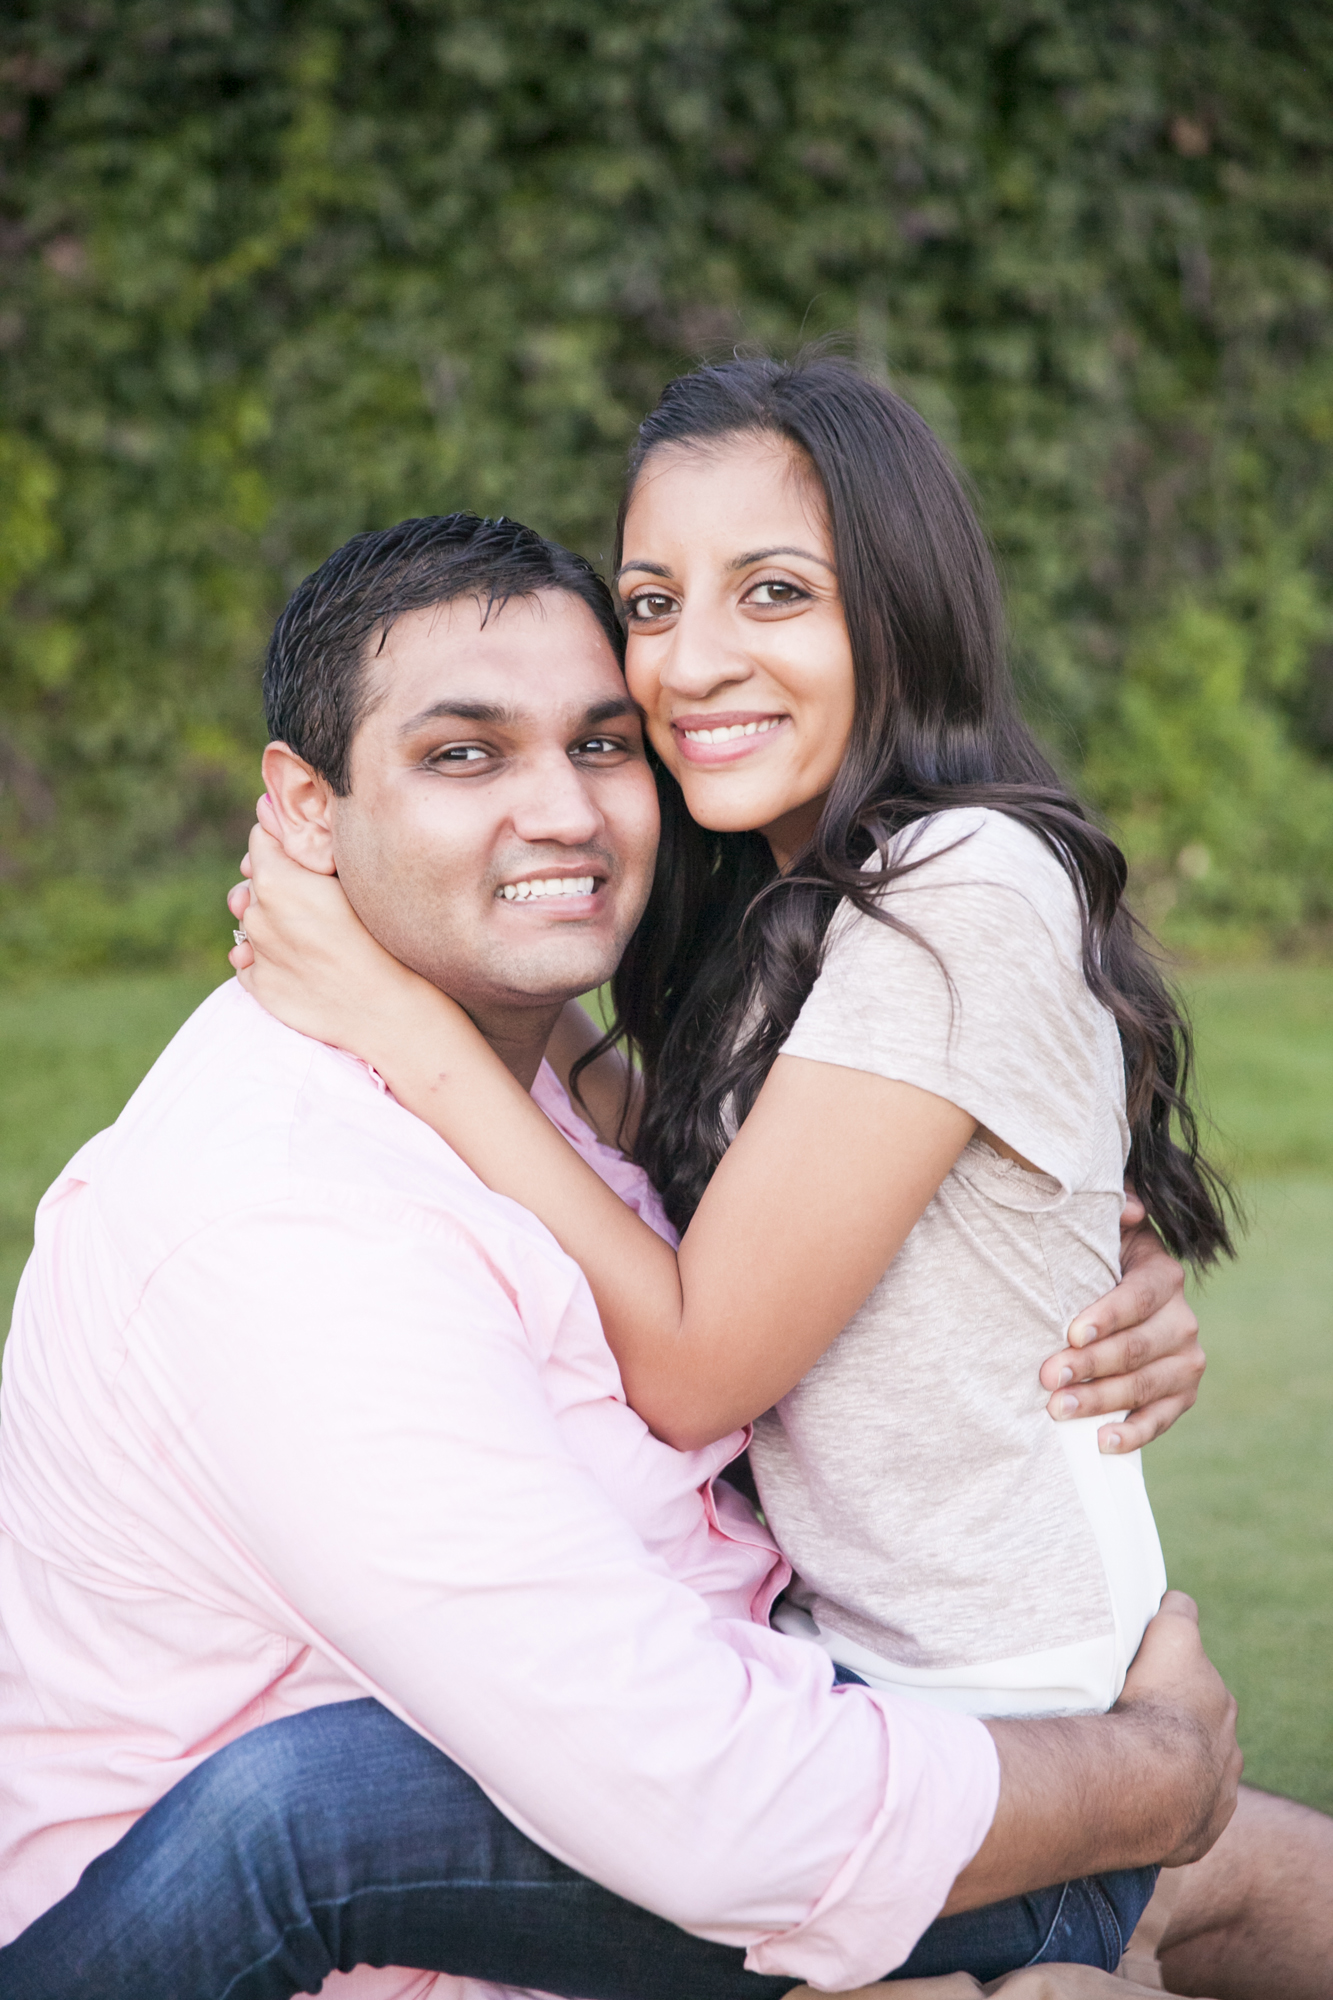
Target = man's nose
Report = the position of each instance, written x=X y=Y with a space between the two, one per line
x=556 y=802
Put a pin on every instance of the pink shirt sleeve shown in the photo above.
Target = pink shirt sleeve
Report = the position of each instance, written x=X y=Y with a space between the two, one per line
x=370 y=1440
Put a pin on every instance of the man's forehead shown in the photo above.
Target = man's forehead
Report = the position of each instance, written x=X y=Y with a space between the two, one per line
x=542 y=659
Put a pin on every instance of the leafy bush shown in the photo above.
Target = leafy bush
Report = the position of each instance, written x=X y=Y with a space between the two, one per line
x=279 y=270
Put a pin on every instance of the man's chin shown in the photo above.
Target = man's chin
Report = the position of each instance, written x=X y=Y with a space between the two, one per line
x=545 y=976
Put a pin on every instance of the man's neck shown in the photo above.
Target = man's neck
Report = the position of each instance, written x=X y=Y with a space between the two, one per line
x=518 y=1035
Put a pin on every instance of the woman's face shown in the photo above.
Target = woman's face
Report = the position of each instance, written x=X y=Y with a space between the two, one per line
x=738 y=651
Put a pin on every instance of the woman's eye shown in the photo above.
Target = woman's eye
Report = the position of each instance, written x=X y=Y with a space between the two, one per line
x=649 y=605
x=775 y=592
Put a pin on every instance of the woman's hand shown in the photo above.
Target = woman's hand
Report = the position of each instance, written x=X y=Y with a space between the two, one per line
x=309 y=959
x=1137 y=1349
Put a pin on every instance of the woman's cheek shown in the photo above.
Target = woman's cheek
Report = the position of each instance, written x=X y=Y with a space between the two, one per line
x=663 y=739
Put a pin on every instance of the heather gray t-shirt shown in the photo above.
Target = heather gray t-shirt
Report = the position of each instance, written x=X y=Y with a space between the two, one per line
x=949 y=1538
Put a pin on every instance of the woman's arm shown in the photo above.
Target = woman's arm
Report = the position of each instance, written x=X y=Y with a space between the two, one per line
x=813 y=1200
x=800 y=1240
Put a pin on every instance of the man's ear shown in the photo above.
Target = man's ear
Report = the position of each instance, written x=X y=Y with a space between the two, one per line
x=302 y=804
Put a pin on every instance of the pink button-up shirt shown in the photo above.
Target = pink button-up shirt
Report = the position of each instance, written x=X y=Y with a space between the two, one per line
x=295 y=1410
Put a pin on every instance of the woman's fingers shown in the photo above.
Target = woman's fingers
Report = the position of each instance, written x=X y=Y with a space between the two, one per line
x=240 y=957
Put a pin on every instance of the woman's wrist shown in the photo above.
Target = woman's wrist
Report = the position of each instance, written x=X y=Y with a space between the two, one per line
x=414 y=1034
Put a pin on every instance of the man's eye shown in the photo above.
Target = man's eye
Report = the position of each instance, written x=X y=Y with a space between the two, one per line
x=649 y=605
x=598 y=746
x=776 y=592
x=461 y=753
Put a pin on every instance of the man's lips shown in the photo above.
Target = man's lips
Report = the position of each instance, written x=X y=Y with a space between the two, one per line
x=571 y=891
x=724 y=736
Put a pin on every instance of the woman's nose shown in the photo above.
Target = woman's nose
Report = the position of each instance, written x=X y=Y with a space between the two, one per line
x=701 y=656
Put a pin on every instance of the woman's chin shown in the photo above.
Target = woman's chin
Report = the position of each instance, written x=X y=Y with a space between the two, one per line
x=725 y=817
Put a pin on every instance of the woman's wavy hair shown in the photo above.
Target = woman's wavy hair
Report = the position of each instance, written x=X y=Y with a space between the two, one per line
x=728 y=948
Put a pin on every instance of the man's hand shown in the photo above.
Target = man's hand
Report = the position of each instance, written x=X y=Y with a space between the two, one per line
x=1175 y=1693
x=1153 y=1781
x=1137 y=1349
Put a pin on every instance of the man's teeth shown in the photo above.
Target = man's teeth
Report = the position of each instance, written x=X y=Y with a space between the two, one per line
x=732 y=729
x=549 y=885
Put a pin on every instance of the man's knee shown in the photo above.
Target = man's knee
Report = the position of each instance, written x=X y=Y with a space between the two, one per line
x=1273 y=1849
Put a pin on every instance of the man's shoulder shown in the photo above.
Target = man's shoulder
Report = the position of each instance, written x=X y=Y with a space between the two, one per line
x=240 y=1112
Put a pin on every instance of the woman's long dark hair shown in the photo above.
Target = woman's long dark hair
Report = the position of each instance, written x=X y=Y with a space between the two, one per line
x=728 y=949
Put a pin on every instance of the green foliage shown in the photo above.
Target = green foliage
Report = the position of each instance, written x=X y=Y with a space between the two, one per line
x=279 y=270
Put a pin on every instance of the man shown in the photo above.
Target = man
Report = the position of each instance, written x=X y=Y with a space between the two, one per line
x=313 y=1457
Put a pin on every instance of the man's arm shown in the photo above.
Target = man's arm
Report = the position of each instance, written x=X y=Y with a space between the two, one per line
x=367 y=1424
x=1137 y=1349
x=1153 y=1781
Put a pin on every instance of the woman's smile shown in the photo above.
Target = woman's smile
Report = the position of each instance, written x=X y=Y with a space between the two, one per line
x=727 y=736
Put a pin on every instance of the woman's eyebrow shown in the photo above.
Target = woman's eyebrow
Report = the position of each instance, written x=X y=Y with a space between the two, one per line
x=738 y=562
x=763 y=555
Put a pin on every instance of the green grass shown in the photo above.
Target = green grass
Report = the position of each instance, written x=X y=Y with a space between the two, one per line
x=1243 y=1489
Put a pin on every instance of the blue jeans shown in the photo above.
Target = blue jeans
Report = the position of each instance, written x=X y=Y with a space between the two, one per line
x=340 y=1838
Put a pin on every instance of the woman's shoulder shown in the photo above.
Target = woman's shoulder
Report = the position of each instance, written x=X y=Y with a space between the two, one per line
x=976 y=844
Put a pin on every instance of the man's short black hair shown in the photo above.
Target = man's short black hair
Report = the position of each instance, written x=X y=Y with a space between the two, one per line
x=315 y=682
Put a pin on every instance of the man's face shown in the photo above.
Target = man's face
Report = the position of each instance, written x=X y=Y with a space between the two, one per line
x=501 y=828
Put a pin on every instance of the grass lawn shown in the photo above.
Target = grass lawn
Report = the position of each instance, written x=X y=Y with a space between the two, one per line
x=1243 y=1489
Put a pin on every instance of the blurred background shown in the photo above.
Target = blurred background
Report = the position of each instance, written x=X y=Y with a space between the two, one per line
x=273 y=273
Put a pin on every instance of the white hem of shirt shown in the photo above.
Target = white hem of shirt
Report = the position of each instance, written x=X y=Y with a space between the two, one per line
x=1080 y=1678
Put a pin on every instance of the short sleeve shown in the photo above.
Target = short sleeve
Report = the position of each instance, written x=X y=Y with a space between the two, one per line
x=986 y=1005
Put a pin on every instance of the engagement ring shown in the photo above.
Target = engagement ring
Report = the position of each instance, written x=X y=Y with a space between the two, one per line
x=239 y=934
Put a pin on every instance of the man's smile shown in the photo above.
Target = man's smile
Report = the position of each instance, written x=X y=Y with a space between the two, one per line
x=539 y=888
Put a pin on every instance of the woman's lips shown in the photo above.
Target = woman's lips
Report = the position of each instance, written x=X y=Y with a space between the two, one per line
x=726 y=737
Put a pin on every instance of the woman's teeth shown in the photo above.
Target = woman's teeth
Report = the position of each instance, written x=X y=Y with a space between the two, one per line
x=550 y=885
x=732 y=729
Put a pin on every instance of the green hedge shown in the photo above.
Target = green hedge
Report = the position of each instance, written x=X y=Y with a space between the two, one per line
x=274 y=273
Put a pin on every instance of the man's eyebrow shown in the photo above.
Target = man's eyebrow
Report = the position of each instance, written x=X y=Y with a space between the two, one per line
x=607 y=711
x=500 y=717
x=461 y=711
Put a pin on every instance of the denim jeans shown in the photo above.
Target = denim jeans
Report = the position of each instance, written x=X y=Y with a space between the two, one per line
x=340 y=1838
